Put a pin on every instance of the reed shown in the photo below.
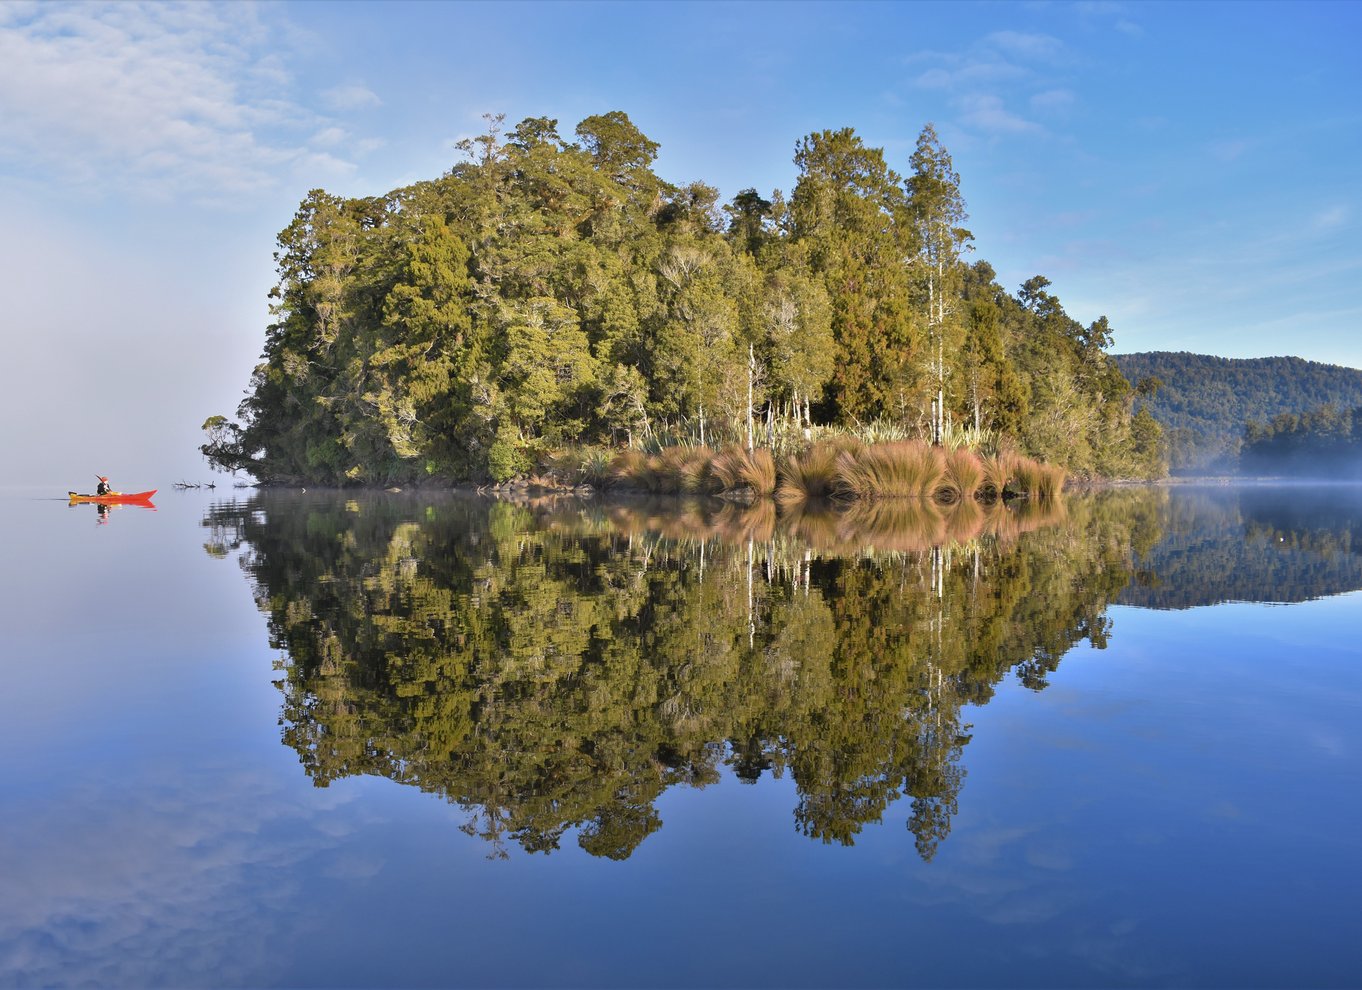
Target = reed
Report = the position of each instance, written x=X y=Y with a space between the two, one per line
x=902 y=469
x=812 y=473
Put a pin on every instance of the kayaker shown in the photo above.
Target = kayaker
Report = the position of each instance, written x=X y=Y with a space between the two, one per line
x=103 y=488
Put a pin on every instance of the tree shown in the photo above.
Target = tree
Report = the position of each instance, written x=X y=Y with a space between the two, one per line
x=937 y=212
x=846 y=209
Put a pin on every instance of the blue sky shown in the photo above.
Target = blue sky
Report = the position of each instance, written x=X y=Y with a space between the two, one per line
x=1192 y=171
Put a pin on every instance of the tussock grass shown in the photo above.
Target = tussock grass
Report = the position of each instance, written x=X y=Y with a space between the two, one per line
x=1036 y=480
x=838 y=528
x=836 y=468
x=1052 y=481
x=998 y=470
x=1026 y=476
x=734 y=468
x=965 y=473
x=627 y=469
x=901 y=469
x=964 y=521
x=812 y=473
x=814 y=521
x=893 y=524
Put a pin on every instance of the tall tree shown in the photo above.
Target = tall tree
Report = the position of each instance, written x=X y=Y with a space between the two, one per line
x=847 y=207
x=937 y=212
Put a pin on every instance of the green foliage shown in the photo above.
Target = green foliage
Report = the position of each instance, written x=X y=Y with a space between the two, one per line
x=1204 y=404
x=545 y=294
x=1322 y=443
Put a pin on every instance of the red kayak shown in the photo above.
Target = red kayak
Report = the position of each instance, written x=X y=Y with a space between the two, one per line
x=113 y=498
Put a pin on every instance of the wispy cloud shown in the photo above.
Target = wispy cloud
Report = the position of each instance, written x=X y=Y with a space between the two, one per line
x=158 y=100
x=1330 y=218
x=990 y=81
x=957 y=72
x=353 y=97
x=1118 y=15
x=985 y=112
x=1053 y=100
x=1026 y=44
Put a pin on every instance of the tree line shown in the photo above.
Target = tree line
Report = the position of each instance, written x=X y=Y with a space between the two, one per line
x=549 y=294
x=1205 y=403
x=1322 y=443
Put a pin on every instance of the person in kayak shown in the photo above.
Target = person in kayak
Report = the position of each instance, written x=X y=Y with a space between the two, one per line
x=103 y=488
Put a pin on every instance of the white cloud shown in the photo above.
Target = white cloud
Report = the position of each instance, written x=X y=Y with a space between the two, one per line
x=328 y=137
x=352 y=97
x=1041 y=47
x=1330 y=218
x=164 y=884
x=156 y=100
x=1053 y=100
x=1115 y=13
x=956 y=73
x=985 y=112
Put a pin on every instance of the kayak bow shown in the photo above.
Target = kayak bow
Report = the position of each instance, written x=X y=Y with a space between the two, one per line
x=113 y=498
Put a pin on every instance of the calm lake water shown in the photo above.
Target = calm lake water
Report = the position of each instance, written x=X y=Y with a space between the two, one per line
x=417 y=740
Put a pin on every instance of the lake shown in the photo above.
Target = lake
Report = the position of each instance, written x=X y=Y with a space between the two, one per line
x=338 y=739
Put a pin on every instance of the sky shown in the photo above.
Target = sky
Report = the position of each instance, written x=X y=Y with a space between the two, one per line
x=1192 y=171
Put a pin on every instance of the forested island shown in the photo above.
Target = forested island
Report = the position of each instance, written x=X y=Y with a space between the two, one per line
x=549 y=303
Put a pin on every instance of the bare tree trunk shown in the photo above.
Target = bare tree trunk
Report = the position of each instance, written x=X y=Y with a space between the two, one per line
x=751 y=371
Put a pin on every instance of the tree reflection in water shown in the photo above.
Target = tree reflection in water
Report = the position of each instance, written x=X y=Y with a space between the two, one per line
x=555 y=667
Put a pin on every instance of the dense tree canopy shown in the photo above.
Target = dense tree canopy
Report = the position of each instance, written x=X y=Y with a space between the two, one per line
x=546 y=293
x=1205 y=403
x=1322 y=443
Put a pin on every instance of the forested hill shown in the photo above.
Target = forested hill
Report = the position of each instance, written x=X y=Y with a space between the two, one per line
x=1204 y=403
x=549 y=296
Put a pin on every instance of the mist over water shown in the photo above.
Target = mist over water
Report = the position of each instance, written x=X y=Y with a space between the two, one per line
x=349 y=739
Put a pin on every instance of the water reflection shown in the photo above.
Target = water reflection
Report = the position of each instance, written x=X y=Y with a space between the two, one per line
x=555 y=668
x=1251 y=544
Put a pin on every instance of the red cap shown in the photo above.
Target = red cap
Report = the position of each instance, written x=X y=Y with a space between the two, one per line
x=101 y=477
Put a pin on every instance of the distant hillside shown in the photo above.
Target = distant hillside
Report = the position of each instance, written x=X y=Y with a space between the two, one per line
x=1205 y=401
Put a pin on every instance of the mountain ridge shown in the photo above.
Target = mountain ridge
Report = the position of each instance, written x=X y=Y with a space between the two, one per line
x=1204 y=401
